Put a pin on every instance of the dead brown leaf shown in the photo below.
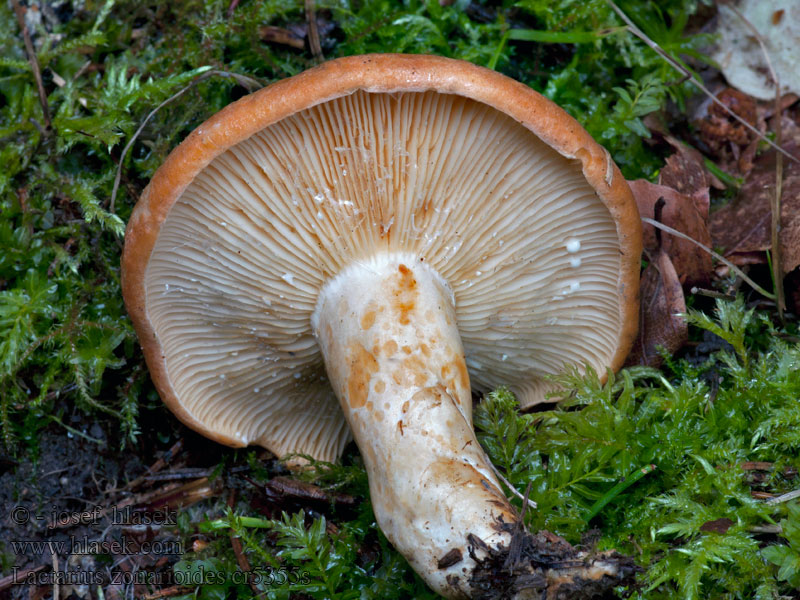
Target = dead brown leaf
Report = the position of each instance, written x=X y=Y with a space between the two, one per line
x=660 y=325
x=717 y=525
x=687 y=214
x=731 y=143
x=279 y=35
x=686 y=173
x=718 y=129
x=742 y=228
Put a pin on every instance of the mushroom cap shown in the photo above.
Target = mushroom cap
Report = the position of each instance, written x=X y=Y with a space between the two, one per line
x=498 y=189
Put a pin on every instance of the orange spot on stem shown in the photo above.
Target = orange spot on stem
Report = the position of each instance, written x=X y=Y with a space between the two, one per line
x=362 y=366
x=368 y=320
x=389 y=348
x=405 y=294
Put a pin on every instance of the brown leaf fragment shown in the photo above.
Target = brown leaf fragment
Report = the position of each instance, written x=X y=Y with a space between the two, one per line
x=753 y=465
x=302 y=491
x=688 y=215
x=717 y=525
x=729 y=142
x=718 y=128
x=686 y=173
x=451 y=558
x=742 y=228
x=660 y=323
x=279 y=35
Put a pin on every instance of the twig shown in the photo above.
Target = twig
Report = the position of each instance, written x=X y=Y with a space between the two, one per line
x=181 y=496
x=56 y=590
x=37 y=73
x=698 y=84
x=784 y=497
x=19 y=577
x=525 y=500
x=313 y=31
x=777 y=267
x=175 y=590
x=775 y=200
x=238 y=550
x=792 y=339
x=768 y=529
x=190 y=473
x=711 y=293
x=245 y=82
x=719 y=257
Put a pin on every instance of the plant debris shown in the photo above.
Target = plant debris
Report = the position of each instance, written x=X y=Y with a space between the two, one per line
x=742 y=228
x=687 y=214
x=662 y=328
x=544 y=565
x=740 y=54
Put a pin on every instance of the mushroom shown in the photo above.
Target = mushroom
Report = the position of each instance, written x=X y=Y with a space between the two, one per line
x=351 y=250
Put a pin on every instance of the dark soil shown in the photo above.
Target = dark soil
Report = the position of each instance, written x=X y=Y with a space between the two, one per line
x=81 y=515
x=544 y=565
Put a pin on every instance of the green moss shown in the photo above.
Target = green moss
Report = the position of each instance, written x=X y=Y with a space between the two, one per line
x=696 y=436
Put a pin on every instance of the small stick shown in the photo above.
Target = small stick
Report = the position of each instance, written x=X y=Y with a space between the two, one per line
x=313 y=31
x=37 y=73
x=777 y=268
x=787 y=338
x=238 y=550
x=158 y=465
x=525 y=500
x=19 y=577
x=770 y=529
x=56 y=590
x=719 y=257
x=711 y=293
x=175 y=590
x=784 y=497
x=189 y=473
x=245 y=82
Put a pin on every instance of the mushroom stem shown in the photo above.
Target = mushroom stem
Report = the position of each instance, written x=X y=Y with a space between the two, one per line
x=387 y=329
x=388 y=333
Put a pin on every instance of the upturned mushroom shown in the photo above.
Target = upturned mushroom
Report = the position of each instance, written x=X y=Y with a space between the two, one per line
x=351 y=251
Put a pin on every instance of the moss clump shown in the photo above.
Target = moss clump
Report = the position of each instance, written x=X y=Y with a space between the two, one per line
x=693 y=522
